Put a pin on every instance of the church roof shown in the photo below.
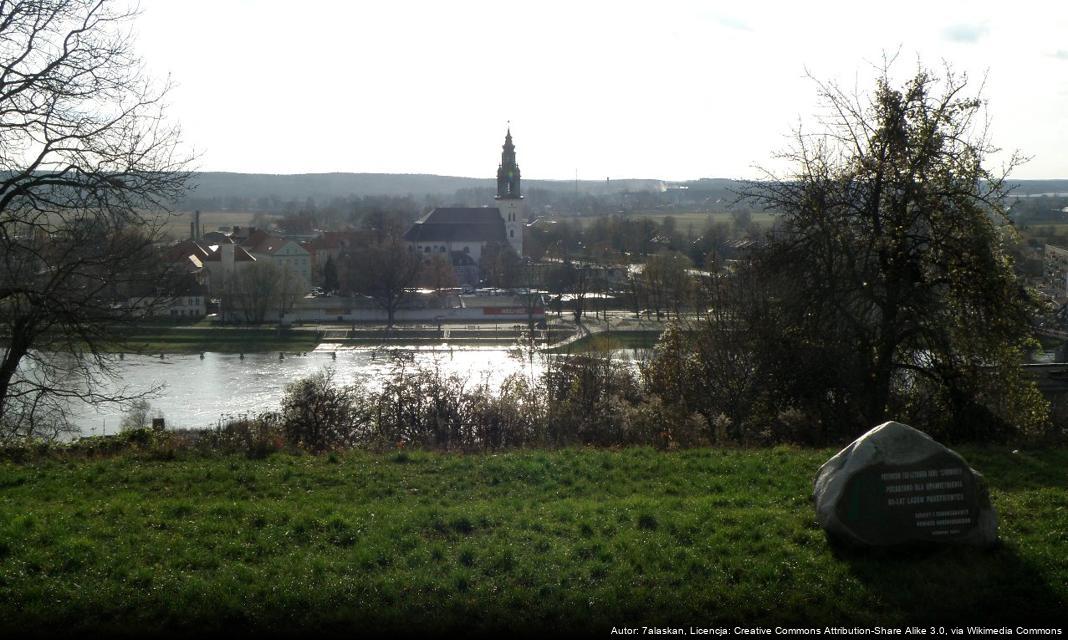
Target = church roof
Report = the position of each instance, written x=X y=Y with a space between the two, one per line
x=459 y=224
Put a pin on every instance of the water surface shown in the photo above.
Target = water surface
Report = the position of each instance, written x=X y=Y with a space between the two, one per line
x=201 y=392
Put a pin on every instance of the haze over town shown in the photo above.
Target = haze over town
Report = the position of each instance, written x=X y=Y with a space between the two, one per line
x=675 y=91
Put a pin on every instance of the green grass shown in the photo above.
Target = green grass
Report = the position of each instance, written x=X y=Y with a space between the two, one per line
x=576 y=540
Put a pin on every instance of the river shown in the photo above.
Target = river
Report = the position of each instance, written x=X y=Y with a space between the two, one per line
x=200 y=392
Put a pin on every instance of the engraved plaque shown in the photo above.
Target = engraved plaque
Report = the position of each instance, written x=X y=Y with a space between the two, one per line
x=934 y=499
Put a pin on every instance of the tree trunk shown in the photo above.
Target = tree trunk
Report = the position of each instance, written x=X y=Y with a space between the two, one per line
x=17 y=349
x=883 y=370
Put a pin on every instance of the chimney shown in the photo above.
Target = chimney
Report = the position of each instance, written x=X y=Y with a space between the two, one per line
x=196 y=217
x=226 y=258
x=192 y=231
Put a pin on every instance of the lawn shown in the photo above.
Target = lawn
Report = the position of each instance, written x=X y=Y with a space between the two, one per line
x=574 y=540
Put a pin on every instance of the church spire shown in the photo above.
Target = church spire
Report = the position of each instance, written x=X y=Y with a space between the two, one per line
x=508 y=171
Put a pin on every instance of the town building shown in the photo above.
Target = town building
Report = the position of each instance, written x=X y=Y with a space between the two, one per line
x=289 y=255
x=462 y=233
x=187 y=259
x=188 y=300
x=225 y=260
x=331 y=246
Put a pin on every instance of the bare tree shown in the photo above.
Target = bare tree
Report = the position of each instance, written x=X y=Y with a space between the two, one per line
x=87 y=166
x=291 y=288
x=667 y=281
x=262 y=287
x=574 y=279
x=533 y=298
x=385 y=271
x=330 y=275
x=634 y=290
x=500 y=266
x=437 y=273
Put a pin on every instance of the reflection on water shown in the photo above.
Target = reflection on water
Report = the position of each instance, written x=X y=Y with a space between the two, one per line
x=199 y=392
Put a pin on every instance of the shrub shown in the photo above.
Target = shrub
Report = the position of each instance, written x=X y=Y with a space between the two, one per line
x=137 y=416
x=254 y=436
x=590 y=399
x=319 y=415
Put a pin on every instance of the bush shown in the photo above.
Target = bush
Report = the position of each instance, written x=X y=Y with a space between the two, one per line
x=590 y=400
x=318 y=415
x=137 y=416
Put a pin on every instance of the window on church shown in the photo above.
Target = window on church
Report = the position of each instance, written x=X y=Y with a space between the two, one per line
x=511 y=233
x=427 y=250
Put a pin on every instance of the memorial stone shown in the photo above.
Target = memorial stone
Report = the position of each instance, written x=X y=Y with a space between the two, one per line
x=896 y=485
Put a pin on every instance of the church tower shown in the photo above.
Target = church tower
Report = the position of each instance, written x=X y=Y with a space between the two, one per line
x=509 y=198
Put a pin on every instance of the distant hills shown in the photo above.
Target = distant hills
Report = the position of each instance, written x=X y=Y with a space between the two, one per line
x=1040 y=187
x=341 y=185
x=321 y=187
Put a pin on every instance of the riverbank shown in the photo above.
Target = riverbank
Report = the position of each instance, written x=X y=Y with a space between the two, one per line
x=575 y=540
x=204 y=337
x=603 y=341
x=197 y=339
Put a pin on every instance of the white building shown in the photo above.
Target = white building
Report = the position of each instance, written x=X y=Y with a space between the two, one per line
x=287 y=254
x=223 y=261
x=467 y=230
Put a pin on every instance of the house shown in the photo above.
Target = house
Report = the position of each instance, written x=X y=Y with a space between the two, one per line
x=331 y=245
x=223 y=262
x=187 y=258
x=287 y=254
x=186 y=299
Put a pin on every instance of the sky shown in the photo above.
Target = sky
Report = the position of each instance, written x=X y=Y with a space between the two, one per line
x=668 y=90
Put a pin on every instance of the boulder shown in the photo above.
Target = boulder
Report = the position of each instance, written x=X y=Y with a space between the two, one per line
x=896 y=485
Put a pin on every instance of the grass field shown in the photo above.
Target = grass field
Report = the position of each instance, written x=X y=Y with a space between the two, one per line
x=575 y=540
x=177 y=224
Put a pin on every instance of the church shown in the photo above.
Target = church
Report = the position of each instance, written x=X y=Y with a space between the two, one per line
x=461 y=233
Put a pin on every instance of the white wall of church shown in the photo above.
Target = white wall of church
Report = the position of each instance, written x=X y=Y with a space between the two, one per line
x=473 y=249
x=514 y=220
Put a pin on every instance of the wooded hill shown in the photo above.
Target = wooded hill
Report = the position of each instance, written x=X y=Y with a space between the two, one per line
x=261 y=191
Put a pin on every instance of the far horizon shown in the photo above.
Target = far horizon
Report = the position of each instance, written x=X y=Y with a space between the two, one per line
x=525 y=178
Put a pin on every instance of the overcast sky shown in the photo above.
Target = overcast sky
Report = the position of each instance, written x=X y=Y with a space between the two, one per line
x=671 y=90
